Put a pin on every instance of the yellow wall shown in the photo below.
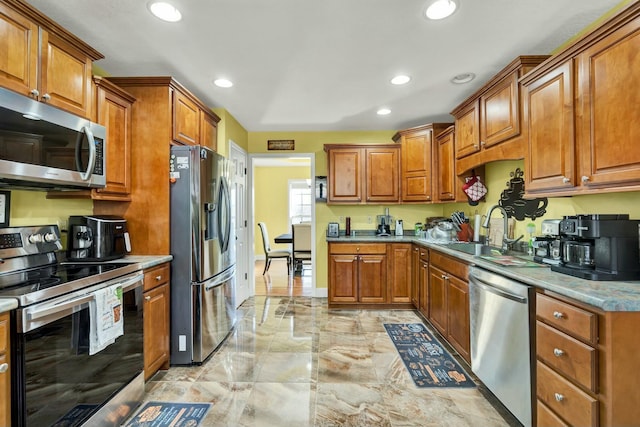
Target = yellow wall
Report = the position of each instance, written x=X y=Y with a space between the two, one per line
x=271 y=200
x=230 y=129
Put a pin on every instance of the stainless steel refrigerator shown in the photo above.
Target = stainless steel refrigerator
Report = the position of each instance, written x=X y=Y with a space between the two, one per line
x=203 y=249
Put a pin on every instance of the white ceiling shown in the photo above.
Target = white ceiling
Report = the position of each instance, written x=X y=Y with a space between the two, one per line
x=301 y=65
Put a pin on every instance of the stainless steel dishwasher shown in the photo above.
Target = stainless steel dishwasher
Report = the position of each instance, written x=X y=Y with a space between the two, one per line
x=501 y=323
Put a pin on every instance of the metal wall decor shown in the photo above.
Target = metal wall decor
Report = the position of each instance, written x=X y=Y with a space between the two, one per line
x=516 y=205
x=321 y=188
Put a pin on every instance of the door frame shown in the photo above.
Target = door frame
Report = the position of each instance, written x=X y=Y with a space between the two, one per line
x=243 y=254
x=252 y=217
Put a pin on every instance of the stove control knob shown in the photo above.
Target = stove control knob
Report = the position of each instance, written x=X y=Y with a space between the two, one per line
x=50 y=237
x=36 y=238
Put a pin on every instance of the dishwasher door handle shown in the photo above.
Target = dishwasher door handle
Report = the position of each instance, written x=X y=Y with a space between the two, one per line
x=489 y=288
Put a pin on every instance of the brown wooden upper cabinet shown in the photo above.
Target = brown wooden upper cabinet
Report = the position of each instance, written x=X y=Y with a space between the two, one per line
x=43 y=61
x=489 y=123
x=445 y=172
x=363 y=173
x=417 y=152
x=583 y=109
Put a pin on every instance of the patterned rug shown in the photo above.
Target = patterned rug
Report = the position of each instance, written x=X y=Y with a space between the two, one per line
x=427 y=361
x=165 y=414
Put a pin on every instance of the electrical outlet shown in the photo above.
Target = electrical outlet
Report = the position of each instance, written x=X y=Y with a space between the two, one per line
x=341 y=219
x=369 y=220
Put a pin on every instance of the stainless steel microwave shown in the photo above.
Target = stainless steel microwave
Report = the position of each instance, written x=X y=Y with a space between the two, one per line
x=44 y=147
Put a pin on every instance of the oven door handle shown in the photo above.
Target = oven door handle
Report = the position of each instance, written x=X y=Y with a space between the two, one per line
x=49 y=309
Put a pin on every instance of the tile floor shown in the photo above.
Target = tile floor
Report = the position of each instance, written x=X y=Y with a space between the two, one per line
x=290 y=361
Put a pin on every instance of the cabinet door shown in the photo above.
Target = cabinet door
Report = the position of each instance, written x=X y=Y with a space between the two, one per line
x=400 y=282
x=346 y=169
x=208 y=131
x=499 y=112
x=424 y=288
x=417 y=166
x=415 y=276
x=467 y=130
x=548 y=108
x=383 y=174
x=114 y=112
x=446 y=178
x=343 y=278
x=458 y=316
x=438 y=299
x=186 y=119
x=65 y=75
x=156 y=329
x=5 y=372
x=607 y=120
x=19 y=47
x=372 y=279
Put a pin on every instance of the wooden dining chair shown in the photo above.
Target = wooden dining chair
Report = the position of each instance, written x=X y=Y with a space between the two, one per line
x=269 y=254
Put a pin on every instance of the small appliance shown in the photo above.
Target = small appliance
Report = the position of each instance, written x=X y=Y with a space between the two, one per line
x=599 y=247
x=399 y=228
x=384 y=228
x=333 y=229
x=97 y=238
x=547 y=247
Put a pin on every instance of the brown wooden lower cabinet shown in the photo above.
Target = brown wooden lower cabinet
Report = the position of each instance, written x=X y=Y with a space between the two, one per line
x=586 y=370
x=423 y=279
x=156 y=319
x=5 y=371
x=448 y=287
x=369 y=274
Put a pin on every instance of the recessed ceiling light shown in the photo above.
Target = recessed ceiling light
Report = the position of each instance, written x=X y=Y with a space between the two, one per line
x=165 y=11
x=463 y=78
x=383 y=111
x=440 y=9
x=400 y=80
x=223 y=83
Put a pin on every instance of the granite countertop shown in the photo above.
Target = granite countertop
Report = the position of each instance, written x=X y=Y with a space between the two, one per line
x=605 y=295
x=8 y=304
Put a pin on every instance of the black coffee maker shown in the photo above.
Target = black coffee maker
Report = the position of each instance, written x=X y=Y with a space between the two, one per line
x=599 y=247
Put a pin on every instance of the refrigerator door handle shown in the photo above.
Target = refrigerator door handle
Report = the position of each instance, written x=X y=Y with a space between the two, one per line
x=224 y=218
x=221 y=279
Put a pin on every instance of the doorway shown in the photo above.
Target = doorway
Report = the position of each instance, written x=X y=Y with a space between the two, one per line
x=238 y=158
x=269 y=175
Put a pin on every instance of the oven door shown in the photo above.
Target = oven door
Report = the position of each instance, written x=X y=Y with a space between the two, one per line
x=56 y=380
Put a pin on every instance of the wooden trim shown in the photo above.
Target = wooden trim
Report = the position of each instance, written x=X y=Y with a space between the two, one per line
x=103 y=82
x=328 y=147
x=416 y=129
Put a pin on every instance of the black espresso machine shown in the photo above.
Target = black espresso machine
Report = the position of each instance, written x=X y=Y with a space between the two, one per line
x=599 y=247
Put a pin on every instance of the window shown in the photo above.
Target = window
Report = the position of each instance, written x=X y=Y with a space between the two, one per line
x=300 y=200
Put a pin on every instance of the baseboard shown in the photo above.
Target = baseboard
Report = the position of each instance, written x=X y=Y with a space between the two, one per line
x=321 y=292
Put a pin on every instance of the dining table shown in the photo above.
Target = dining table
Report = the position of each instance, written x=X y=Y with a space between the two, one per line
x=284 y=238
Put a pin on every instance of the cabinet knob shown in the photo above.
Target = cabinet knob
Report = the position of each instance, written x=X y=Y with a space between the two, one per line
x=35 y=93
x=585 y=178
x=559 y=397
x=565 y=180
x=46 y=97
x=4 y=368
x=476 y=146
x=158 y=278
x=147 y=298
x=558 y=315
x=482 y=143
x=557 y=352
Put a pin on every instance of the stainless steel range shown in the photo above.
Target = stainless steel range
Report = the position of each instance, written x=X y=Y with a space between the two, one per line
x=55 y=378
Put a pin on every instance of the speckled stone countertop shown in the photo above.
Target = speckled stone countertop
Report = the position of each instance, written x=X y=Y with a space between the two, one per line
x=8 y=304
x=605 y=295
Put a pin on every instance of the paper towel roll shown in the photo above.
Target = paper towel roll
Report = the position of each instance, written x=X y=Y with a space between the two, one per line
x=477 y=223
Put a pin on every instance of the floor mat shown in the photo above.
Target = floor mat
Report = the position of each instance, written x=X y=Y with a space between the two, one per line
x=165 y=414
x=427 y=361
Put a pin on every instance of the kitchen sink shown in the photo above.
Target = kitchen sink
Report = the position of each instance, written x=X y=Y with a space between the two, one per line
x=481 y=249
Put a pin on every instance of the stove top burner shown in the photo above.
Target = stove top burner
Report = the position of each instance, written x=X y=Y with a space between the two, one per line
x=45 y=282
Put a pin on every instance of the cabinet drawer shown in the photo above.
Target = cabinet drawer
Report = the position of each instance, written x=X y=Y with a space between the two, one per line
x=546 y=417
x=4 y=332
x=565 y=399
x=450 y=265
x=156 y=276
x=578 y=323
x=567 y=355
x=357 y=248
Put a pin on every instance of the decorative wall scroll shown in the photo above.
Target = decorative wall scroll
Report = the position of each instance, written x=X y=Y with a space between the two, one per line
x=513 y=201
x=281 y=144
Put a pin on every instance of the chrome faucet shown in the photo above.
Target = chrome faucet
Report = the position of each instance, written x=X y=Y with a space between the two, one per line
x=506 y=242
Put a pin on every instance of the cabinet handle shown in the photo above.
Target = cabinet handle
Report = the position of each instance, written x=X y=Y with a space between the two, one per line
x=558 y=315
x=147 y=298
x=46 y=97
x=585 y=178
x=565 y=180
x=158 y=278
x=559 y=397
x=4 y=368
x=557 y=352
x=34 y=93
